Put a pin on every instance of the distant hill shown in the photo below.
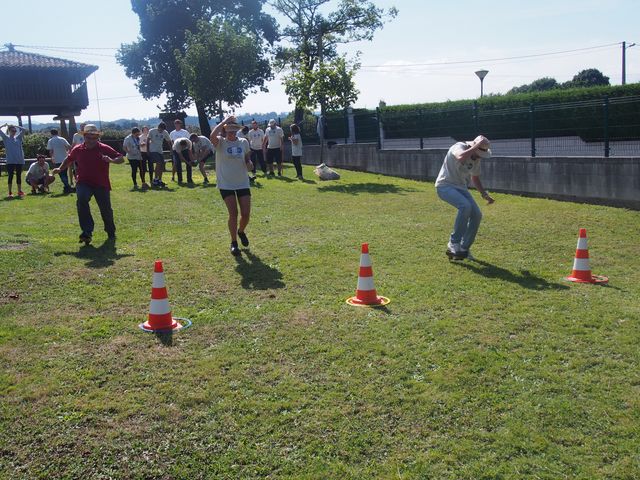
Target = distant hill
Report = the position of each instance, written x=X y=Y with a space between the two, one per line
x=126 y=123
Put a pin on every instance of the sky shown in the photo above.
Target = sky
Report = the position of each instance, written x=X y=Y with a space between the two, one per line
x=428 y=53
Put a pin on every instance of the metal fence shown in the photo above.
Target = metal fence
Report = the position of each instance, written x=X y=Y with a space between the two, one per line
x=594 y=127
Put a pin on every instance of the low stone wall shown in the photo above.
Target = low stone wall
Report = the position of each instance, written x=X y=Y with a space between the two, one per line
x=598 y=180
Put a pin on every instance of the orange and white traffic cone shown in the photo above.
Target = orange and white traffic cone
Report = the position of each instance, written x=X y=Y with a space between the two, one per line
x=581 y=272
x=366 y=295
x=160 y=318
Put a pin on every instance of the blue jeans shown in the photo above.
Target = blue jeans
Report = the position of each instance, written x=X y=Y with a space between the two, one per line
x=469 y=214
x=103 y=199
x=64 y=177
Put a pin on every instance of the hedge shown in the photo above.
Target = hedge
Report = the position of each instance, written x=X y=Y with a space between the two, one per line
x=559 y=112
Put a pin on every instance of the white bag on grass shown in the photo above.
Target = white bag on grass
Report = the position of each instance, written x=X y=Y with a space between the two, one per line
x=326 y=173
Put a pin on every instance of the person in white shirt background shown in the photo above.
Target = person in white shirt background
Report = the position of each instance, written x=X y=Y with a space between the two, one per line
x=296 y=150
x=58 y=149
x=255 y=137
x=182 y=150
x=272 y=142
x=155 y=140
x=179 y=132
x=202 y=149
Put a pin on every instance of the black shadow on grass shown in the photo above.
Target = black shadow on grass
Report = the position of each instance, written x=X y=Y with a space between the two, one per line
x=7 y=199
x=286 y=179
x=357 y=188
x=306 y=180
x=60 y=194
x=165 y=338
x=525 y=279
x=256 y=275
x=103 y=256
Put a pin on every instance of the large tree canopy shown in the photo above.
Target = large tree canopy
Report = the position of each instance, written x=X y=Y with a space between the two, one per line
x=222 y=65
x=314 y=34
x=591 y=77
x=152 y=61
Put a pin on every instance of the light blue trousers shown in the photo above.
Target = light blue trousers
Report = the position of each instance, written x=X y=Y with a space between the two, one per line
x=469 y=214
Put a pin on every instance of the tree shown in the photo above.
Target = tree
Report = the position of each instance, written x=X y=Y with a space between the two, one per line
x=539 y=85
x=152 y=61
x=222 y=65
x=314 y=36
x=591 y=77
x=330 y=85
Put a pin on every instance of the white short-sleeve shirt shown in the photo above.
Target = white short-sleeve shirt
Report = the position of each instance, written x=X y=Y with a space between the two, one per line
x=231 y=169
x=454 y=172
x=60 y=147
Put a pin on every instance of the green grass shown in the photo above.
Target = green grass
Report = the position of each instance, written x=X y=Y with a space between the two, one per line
x=494 y=369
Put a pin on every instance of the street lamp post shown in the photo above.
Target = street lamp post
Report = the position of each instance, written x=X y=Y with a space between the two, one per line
x=624 y=61
x=481 y=74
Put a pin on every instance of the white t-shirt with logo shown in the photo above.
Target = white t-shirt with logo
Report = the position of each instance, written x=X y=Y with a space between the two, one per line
x=155 y=138
x=274 y=136
x=132 y=147
x=231 y=169
x=60 y=147
x=455 y=173
x=255 y=138
x=296 y=148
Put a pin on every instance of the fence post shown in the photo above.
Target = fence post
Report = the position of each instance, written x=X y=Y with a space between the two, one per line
x=475 y=117
x=346 y=126
x=532 y=117
x=421 y=124
x=379 y=129
x=606 y=125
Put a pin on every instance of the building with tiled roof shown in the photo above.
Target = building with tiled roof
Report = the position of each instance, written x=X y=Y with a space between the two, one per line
x=33 y=84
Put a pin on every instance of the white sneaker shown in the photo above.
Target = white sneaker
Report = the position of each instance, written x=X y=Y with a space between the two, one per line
x=454 y=248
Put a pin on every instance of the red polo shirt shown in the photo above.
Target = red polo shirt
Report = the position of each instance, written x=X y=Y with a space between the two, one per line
x=91 y=169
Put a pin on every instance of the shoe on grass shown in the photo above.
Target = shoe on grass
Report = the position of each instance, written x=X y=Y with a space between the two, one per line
x=243 y=238
x=235 y=251
x=86 y=239
x=454 y=248
x=467 y=254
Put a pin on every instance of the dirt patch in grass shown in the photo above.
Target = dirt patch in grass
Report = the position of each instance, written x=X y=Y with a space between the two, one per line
x=14 y=247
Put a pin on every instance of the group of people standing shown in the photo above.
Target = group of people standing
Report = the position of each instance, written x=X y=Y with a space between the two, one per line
x=144 y=148
x=238 y=150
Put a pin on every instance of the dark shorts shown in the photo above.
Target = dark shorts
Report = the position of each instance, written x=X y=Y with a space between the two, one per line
x=274 y=155
x=37 y=181
x=243 y=192
x=156 y=157
x=209 y=156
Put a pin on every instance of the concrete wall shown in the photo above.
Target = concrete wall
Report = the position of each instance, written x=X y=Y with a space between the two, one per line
x=598 y=180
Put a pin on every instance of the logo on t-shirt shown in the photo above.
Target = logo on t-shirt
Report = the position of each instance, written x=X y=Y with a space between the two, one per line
x=235 y=151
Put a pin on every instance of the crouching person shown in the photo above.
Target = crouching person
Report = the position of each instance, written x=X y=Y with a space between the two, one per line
x=38 y=175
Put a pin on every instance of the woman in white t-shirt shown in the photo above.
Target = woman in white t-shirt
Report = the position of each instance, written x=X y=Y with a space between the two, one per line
x=232 y=164
x=296 y=150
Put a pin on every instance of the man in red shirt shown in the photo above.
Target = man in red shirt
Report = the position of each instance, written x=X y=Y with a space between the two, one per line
x=92 y=171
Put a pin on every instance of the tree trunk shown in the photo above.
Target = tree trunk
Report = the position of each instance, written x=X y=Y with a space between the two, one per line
x=298 y=115
x=203 y=120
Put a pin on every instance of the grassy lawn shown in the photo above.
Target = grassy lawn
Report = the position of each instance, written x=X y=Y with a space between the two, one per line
x=488 y=369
